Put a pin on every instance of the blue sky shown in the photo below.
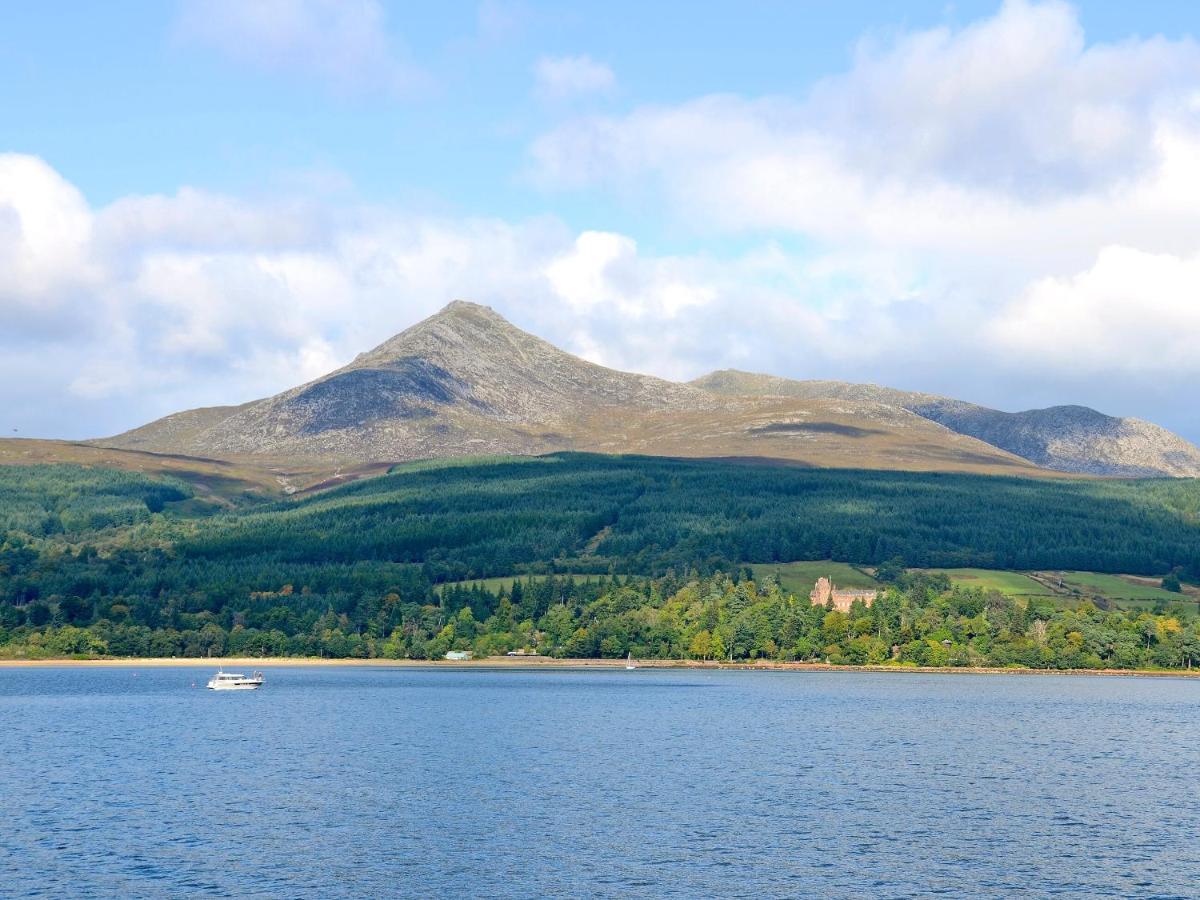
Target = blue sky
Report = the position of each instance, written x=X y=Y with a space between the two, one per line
x=205 y=202
x=160 y=110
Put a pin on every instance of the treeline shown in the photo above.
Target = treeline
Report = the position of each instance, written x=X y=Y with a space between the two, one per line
x=920 y=620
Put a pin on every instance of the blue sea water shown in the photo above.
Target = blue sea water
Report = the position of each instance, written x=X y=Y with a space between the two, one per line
x=372 y=782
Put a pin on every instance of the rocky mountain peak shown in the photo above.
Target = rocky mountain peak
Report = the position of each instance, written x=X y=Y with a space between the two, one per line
x=512 y=374
x=466 y=381
x=458 y=327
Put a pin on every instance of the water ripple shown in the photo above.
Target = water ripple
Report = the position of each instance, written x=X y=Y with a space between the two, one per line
x=401 y=782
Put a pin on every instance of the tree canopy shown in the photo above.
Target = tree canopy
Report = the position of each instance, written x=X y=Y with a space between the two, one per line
x=97 y=561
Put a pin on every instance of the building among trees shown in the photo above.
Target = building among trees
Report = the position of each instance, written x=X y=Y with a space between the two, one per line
x=825 y=591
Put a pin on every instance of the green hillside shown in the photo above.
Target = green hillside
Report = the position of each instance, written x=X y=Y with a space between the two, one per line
x=643 y=515
x=90 y=548
x=1014 y=584
x=1098 y=584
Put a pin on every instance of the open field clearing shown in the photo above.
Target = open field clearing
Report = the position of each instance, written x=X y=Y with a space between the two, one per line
x=1114 y=587
x=799 y=577
x=1014 y=584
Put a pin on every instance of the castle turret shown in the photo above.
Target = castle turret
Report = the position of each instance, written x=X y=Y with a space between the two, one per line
x=821 y=592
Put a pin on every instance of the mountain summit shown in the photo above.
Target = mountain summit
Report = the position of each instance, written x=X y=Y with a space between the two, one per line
x=466 y=381
x=511 y=375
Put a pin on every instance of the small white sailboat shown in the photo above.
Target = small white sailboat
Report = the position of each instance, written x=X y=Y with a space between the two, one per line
x=235 y=681
x=629 y=663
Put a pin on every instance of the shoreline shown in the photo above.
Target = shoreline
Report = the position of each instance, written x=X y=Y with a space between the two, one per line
x=549 y=663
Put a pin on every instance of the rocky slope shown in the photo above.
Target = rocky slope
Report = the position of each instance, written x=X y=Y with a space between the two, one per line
x=1063 y=438
x=466 y=382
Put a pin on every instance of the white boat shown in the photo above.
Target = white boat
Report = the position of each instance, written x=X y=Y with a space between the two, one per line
x=629 y=663
x=235 y=681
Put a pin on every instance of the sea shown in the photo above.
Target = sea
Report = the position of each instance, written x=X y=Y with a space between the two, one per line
x=411 y=782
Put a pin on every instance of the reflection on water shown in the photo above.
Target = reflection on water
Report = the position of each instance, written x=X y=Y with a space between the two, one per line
x=368 y=782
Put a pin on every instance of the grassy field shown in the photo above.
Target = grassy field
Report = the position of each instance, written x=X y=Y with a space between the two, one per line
x=799 y=577
x=1013 y=584
x=1114 y=587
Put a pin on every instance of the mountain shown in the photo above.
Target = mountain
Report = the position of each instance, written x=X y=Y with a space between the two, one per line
x=466 y=382
x=1062 y=438
x=463 y=381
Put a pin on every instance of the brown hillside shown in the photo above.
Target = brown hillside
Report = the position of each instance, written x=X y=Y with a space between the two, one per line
x=466 y=382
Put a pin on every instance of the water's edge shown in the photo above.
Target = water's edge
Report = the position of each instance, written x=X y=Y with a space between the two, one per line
x=534 y=664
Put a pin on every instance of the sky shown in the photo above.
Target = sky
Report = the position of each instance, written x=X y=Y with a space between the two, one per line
x=209 y=201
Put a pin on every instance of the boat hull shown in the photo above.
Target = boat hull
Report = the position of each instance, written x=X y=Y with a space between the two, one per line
x=251 y=686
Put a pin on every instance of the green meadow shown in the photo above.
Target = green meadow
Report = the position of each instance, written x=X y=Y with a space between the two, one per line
x=1012 y=584
x=798 y=578
x=1114 y=587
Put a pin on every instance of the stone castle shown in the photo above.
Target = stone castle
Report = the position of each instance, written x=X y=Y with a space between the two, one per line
x=825 y=590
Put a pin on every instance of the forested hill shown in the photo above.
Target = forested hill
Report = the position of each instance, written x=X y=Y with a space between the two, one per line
x=638 y=514
x=635 y=514
x=91 y=548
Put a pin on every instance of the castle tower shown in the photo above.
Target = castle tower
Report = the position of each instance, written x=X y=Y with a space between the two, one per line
x=821 y=592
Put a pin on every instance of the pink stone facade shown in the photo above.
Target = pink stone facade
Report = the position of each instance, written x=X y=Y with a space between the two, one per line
x=825 y=590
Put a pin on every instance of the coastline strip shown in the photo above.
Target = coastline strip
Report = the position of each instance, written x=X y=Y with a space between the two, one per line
x=549 y=663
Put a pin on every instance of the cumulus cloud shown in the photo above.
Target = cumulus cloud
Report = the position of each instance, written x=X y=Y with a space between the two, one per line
x=344 y=42
x=1016 y=103
x=1010 y=139
x=1002 y=213
x=1133 y=312
x=564 y=77
x=1005 y=184
x=157 y=303
x=45 y=229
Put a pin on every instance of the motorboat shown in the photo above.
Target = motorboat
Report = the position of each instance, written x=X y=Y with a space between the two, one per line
x=235 y=681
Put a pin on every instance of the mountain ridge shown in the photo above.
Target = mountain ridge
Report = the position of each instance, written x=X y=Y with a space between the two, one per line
x=1067 y=438
x=465 y=381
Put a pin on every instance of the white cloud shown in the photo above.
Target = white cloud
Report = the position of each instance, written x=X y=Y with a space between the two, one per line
x=1132 y=312
x=564 y=77
x=344 y=42
x=584 y=275
x=158 y=303
x=45 y=228
x=1009 y=147
x=167 y=302
x=1016 y=102
x=1005 y=198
